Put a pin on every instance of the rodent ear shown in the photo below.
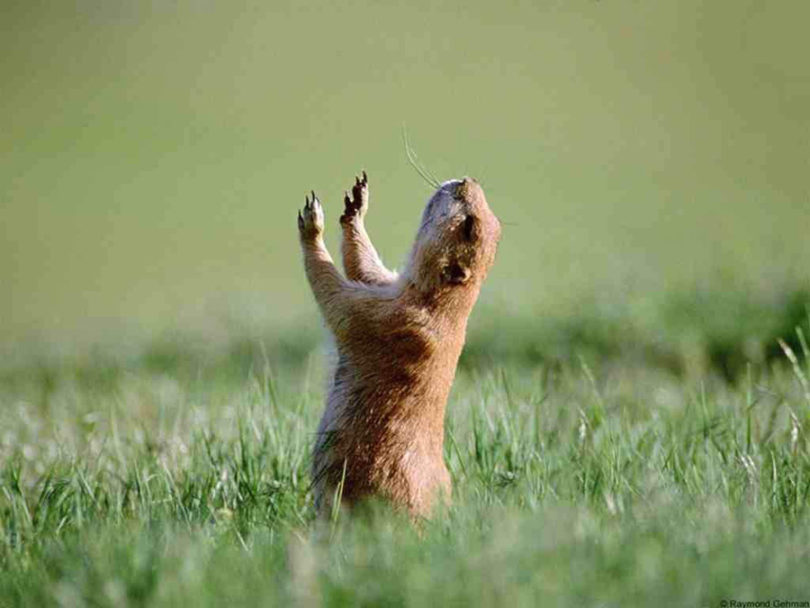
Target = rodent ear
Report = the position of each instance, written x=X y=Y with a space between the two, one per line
x=455 y=274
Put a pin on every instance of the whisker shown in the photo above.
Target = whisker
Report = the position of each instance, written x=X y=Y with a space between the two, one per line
x=414 y=161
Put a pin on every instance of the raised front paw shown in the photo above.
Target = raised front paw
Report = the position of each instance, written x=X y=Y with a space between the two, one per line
x=310 y=219
x=357 y=203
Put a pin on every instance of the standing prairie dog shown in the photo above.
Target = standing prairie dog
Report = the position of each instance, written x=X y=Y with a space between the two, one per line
x=398 y=339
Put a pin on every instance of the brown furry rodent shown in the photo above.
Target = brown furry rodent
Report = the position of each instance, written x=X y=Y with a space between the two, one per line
x=398 y=340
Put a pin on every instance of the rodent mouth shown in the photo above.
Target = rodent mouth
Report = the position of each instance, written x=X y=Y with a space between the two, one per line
x=450 y=185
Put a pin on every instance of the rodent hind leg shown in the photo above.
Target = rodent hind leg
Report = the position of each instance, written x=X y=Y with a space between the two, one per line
x=360 y=259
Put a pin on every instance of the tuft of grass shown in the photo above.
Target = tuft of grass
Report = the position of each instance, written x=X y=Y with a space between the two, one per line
x=581 y=480
x=717 y=330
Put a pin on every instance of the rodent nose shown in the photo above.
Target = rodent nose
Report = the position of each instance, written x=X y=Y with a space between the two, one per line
x=469 y=189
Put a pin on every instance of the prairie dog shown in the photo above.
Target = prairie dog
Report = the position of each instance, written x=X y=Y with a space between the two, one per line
x=398 y=340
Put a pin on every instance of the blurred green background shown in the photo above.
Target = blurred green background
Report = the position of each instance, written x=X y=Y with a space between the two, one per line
x=153 y=154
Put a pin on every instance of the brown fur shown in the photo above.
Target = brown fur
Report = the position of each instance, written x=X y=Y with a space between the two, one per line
x=398 y=340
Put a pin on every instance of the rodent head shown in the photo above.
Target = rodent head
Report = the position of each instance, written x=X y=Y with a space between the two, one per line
x=457 y=239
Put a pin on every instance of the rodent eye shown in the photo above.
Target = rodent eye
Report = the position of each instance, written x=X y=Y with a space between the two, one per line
x=469 y=227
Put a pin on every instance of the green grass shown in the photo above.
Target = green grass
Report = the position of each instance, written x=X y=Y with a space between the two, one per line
x=180 y=477
x=616 y=436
